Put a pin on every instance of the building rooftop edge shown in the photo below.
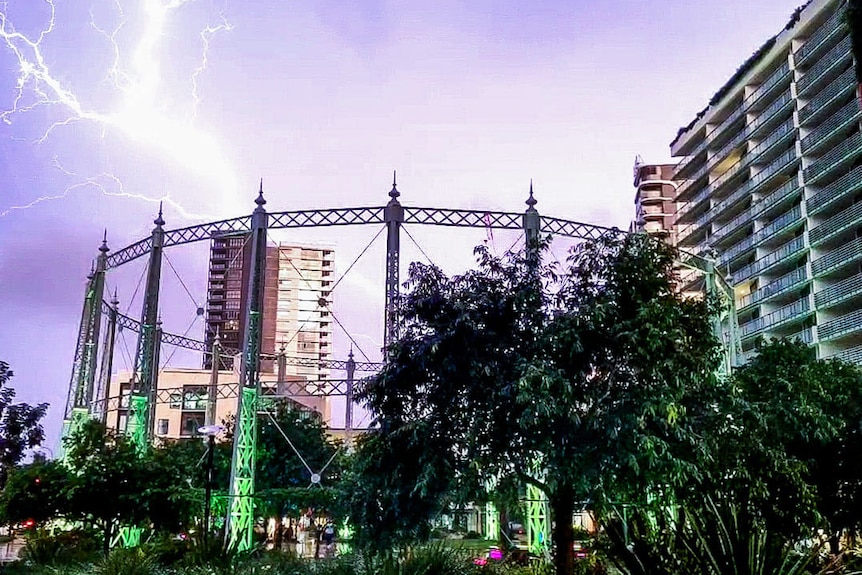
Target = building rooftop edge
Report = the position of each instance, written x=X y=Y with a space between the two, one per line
x=747 y=68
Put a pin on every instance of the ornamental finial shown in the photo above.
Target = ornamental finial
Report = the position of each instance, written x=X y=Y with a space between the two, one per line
x=394 y=193
x=531 y=201
x=159 y=221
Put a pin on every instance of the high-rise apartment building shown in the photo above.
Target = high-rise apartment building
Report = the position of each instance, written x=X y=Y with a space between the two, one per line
x=770 y=178
x=655 y=199
x=296 y=300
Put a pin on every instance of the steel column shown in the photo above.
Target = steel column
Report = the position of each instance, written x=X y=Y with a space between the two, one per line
x=532 y=222
x=103 y=392
x=240 y=515
x=393 y=216
x=86 y=352
x=146 y=358
x=212 y=392
x=348 y=401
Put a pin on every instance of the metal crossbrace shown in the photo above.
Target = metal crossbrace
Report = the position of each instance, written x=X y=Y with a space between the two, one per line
x=77 y=419
x=331 y=217
x=361 y=216
x=538 y=523
x=136 y=424
x=134 y=325
x=321 y=388
x=241 y=502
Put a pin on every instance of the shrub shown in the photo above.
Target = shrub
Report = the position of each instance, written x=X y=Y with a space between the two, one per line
x=64 y=548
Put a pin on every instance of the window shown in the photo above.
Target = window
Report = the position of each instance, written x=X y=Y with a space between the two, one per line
x=191 y=422
x=176 y=399
x=194 y=398
x=162 y=428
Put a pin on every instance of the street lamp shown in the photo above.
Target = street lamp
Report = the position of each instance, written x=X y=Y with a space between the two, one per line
x=210 y=431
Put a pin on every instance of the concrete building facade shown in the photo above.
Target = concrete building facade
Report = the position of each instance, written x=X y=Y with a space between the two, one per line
x=770 y=178
x=296 y=300
x=655 y=199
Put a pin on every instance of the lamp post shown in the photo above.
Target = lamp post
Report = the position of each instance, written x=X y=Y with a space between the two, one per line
x=210 y=431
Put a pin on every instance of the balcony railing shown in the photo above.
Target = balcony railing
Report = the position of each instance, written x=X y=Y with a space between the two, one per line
x=847 y=254
x=839 y=292
x=776 y=196
x=698 y=224
x=848 y=323
x=834 y=25
x=793 y=312
x=695 y=201
x=769 y=113
x=847 y=149
x=838 y=223
x=779 y=134
x=787 y=250
x=834 y=57
x=849 y=183
x=742 y=246
x=783 y=284
x=773 y=168
x=732 y=225
x=851 y=355
x=729 y=173
x=820 y=104
x=847 y=115
x=781 y=73
x=782 y=222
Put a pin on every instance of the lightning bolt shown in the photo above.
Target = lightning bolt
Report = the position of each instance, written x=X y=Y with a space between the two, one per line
x=108 y=185
x=138 y=113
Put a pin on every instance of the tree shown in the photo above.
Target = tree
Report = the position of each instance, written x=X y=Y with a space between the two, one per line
x=585 y=380
x=293 y=445
x=114 y=485
x=37 y=491
x=789 y=452
x=20 y=427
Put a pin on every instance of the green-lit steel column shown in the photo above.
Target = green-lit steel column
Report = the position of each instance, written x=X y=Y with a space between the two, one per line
x=86 y=352
x=538 y=524
x=146 y=366
x=240 y=514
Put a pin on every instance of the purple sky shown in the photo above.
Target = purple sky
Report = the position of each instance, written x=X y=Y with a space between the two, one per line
x=323 y=99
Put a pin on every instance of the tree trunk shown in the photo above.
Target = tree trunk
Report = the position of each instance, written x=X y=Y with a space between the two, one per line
x=107 y=546
x=562 y=508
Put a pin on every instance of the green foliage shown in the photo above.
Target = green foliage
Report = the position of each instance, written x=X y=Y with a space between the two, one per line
x=64 y=548
x=20 y=427
x=595 y=373
x=121 y=561
x=38 y=492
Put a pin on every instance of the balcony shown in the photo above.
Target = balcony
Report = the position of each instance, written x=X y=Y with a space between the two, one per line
x=842 y=291
x=732 y=225
x=788 y=250
x=722 y=154
x=774 y=111
x=820 y=105
x=768 y=86
x=778 y=225
x=789 y=313
x=694 y=202
x=696 y=226
x=846 y=151
x=846 y=116
x=778 y=136
x=847 y=254
x=786 y=190
x=794 y=280
x=777 y=166
x=844 y=325
x=733 y=170
x=833 y=59
x=851 y=355
x=840 y=222
x=717 y=135
x=744 y=245
x=828 y=30
x=849 y=183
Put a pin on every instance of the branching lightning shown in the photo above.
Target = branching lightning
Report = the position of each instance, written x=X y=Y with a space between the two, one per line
x=139 y=112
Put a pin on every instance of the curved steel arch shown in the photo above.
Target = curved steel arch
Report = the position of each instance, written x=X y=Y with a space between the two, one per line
x=363 y=216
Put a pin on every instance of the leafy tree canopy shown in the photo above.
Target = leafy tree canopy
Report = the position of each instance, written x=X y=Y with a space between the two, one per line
x=20 y=424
